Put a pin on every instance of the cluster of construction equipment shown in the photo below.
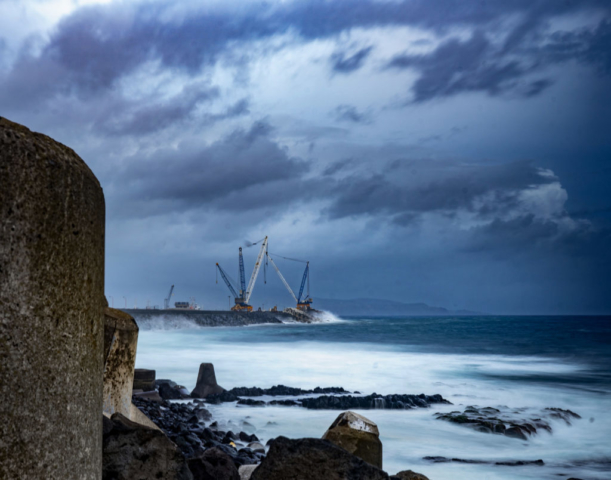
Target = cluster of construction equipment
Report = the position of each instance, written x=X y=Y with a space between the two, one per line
x=242 y=299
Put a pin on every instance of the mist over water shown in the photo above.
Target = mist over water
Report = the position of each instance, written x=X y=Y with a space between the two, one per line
x=517 y=362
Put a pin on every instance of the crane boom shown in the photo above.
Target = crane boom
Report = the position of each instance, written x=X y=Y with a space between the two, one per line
x=303 y=281
x=242 y=276
x=166 y=302
x=255 y=271
x=227 y=282
x=282 y=278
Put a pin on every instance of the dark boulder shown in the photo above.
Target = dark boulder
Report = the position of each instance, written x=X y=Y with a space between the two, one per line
x=169 y=393
x=213 y=464
x=312 y=458
x=133 y=451
x=409 y=475
x=245 y=437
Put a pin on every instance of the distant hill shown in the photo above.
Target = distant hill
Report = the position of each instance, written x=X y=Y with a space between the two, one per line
x=376 y=306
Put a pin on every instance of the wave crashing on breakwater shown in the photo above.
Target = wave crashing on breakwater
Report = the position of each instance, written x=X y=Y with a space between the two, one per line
x=189 y=319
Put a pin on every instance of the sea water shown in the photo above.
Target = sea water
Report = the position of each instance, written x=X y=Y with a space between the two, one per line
x=513 y=362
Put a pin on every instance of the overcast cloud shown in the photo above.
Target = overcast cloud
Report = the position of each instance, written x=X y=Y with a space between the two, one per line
x=452 y=152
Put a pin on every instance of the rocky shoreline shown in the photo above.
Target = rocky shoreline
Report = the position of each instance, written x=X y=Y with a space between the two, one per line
x=349 y=449
x=226 y=449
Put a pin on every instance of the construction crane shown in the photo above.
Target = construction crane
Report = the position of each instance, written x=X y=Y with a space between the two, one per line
x=243 y=298
x=166 y=301
x=303 y=302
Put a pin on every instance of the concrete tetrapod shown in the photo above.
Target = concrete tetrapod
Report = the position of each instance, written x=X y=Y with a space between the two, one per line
x=52 y=217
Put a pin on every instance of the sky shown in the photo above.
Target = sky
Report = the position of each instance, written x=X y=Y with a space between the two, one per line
x=455 y=152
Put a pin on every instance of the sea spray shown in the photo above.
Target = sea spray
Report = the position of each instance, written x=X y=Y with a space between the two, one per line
x=413 y=356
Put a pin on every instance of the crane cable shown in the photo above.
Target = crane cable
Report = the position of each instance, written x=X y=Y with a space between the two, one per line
x=287 y=258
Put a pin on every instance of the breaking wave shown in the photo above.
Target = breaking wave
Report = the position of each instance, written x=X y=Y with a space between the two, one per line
x=166 y=322
x=328 y=317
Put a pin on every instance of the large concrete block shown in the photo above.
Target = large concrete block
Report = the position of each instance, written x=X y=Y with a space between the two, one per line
x=120 y=343
x=51 y=309
x=206 y=382
x=144 y=379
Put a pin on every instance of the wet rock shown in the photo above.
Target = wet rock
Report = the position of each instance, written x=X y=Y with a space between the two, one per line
x=158 y=382
x=203 y=415
x=248 y=438
x=285 y=403
x=144 y=379
x=251 y=402
x=213 y=464
x=373 y=401
x=222 y=397
x=256 y=447
x=311 y=458
x=409 y=475
x=169 y=393
x=206 y=382
x=131 y=450
x=357 y=435
x=282 y=390
x=514 y=423
x=516 y=463
x=559 y=413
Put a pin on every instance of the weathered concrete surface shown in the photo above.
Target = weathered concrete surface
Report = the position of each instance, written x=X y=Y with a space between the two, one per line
x=144 y=380
x=120 y=343
x=136 y=415
x=358 y=435
x=51 y=309
x=206 y=382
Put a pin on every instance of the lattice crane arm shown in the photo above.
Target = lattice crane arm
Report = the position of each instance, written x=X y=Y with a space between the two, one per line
x=227 y=282
x=255 y=271
x=288 y=287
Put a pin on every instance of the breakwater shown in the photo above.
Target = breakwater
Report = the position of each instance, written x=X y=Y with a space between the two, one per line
x=205 y=318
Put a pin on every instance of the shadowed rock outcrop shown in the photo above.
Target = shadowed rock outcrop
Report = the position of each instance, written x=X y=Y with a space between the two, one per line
x=312 y=458
x=52 y=218
x=518 y=423
x=133 y=451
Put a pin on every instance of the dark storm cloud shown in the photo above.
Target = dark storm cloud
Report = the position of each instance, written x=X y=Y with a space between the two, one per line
x=222 y=175
x=96 y=46
x=349 y=113
x=441 y=188
x=343 y=63
x=588 y=46
x=473 y=65
x=478 y=64
x=141 y=117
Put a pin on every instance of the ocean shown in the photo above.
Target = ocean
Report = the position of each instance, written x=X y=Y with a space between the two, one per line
x=515 y=363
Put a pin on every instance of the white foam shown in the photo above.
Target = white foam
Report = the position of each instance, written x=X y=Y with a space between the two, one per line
x=407 y=435
x=327 y=317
